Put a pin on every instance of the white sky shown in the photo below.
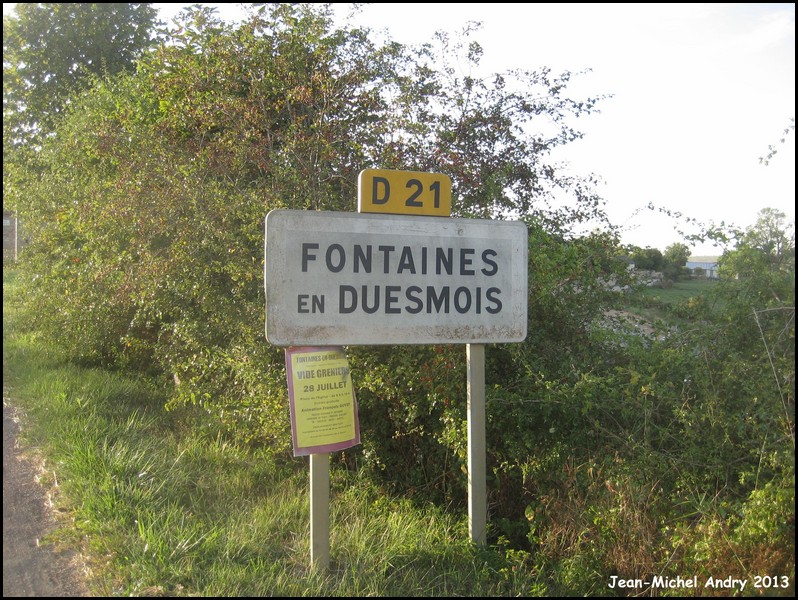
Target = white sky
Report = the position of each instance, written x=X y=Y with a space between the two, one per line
x=699 y=93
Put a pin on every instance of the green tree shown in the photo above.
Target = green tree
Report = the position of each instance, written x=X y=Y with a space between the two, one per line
x=674 y=259
x=52 y=50
x=650 y=259
x=768 y=246
x=774 y=237
x=677 y=254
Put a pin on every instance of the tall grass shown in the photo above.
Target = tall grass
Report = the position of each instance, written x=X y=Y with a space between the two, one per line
x=159 y=503
x=680 y=291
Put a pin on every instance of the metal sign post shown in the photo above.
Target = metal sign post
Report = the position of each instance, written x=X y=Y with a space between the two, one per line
x=477 y=475
x=320 y=510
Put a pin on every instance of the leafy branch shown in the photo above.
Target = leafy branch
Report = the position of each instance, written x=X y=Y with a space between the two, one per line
x=772 y=151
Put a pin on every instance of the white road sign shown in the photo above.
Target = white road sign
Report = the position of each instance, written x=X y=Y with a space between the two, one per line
x=339 y=278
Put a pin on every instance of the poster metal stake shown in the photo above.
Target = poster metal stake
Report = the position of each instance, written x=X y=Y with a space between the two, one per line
x=477 y=476
x=320 y=510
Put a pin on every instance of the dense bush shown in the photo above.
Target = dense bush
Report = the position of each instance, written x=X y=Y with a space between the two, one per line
x=147 y=216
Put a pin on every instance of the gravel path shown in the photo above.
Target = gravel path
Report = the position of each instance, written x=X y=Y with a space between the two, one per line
x=28 y=568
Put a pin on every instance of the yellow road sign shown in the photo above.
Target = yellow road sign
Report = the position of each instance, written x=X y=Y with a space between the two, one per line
x=404 y=193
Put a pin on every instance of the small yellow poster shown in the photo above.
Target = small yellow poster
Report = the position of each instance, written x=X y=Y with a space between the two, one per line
x=321 y=399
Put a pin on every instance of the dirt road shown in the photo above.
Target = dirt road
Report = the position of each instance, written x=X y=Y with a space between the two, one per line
x=28 y=568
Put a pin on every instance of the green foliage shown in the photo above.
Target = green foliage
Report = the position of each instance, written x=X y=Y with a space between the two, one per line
x=677 y=254
x=52 y=50
x=772 y=151
x=674 y=260
x=768 y=245
x=147 y=219
x=411 y=403
x=649 y=259
x=671 y=263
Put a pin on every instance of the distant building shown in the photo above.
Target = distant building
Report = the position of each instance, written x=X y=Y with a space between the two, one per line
x=708 y=263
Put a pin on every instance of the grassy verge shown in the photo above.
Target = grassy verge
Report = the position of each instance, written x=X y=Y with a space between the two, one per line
x=159 y=507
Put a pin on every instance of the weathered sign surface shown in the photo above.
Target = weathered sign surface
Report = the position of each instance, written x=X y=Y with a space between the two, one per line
x=339 y=278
